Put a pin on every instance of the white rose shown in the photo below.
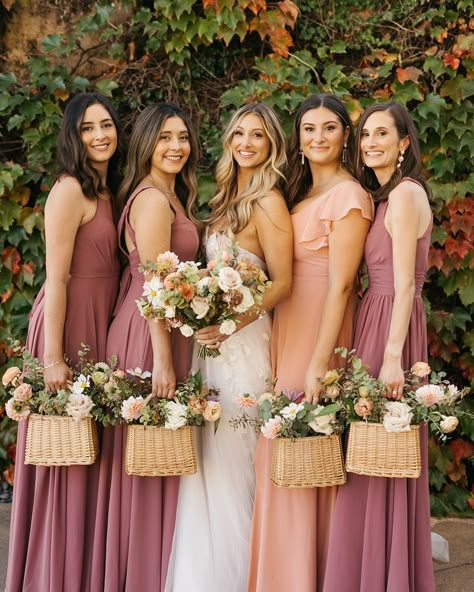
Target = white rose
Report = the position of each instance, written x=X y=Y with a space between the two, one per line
x=323 y=424
x=186 y=330
x=176 y=416
x=448 y=424
x=79 y=406
x=247 y=302
x=398 y=417
x=200 y=306
x=227 y=327
x=229 y=279
x=202 y=284
x=152 y=291
x=170 y=312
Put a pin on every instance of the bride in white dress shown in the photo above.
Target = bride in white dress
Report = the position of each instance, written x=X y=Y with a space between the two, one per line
x=211 y=542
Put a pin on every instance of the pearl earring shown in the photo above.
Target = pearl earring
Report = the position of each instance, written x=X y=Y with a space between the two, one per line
x=302 y=156
x=344 y=154
x=400 y=159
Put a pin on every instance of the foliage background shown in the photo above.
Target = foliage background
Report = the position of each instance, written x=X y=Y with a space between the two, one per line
x=212 y=56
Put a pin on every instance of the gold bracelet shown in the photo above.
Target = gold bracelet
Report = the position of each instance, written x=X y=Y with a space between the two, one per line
x=51 y=365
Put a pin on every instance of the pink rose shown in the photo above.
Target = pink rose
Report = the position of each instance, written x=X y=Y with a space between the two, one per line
x=229 y=279
x=212 y=411
x=10 y=374
x=363 y=407
x=271 y=428
x=23 y=393
x=332 y=391
x=420 y=369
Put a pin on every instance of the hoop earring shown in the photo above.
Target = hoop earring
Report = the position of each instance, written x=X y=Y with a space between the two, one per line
x=301 y=153
x=344 y=154
x=400 y=159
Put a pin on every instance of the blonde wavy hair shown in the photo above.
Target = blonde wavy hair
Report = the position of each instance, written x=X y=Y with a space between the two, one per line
x=226 y=204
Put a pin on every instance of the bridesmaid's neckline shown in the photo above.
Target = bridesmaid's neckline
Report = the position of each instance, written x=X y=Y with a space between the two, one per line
x=312 y=200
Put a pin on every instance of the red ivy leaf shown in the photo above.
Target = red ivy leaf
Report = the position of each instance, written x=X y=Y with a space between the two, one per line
x=461 y=449
x=451 y=61
x=11 y=259
x=410 y=73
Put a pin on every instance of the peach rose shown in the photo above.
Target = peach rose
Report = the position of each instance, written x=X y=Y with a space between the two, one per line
x=10 y=374
x=363 y=407
x=212 y=411
x=197 y=405
x=23 y=392
x=332 y=392
x=420 y=369
x=448 y=424
x=271 y=428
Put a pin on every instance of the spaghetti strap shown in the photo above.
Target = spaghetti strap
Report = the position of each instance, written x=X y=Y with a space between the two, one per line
x=124 y=220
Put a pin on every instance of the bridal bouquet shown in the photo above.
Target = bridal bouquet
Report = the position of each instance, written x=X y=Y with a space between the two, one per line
x=192 y=404
x=190 y=299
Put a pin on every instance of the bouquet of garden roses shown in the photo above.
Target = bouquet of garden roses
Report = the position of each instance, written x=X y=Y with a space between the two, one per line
x=193 y=404
x=190 y=299
x=285 y=415
x=29 y=394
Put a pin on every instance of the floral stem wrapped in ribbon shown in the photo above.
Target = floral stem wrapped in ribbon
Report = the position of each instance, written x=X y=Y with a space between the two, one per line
x=190 y=299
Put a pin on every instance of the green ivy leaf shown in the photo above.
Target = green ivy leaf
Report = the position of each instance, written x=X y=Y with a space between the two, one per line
x=52 y=42
x=106 y=86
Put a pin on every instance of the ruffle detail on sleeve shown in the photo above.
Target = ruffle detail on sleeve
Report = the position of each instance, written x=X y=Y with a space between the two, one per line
x=346 y=196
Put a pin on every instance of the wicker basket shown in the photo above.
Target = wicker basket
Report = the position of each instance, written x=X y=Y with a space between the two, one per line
x=315 y=461
x=160 y=452
x=60 y=441
x=371 y=450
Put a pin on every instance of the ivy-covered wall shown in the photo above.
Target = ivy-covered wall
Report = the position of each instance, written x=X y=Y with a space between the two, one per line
x=210 y=57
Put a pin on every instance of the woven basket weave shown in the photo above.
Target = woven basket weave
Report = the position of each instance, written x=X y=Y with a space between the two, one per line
x=160 y=452
x=315 y=461
x=60 y=441
x=371 y=450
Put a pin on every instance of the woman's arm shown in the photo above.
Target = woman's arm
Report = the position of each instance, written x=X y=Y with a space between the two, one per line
x=346 y=246
x=151 y=218
x=66 y=209
x=402 y=219
x=275 y=236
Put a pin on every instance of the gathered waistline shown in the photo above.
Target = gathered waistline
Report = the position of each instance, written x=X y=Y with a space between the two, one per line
x=84 y=276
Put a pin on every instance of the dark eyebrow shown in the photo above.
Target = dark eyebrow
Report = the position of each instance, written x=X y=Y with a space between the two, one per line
x=185 y=131
x=101 y=121
x=377 y=128
x=255 y=129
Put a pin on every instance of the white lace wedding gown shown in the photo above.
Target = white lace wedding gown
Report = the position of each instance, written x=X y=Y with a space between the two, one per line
x=211 y=541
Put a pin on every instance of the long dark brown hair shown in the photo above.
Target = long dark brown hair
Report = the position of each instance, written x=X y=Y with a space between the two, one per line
x=72 y=157
x=299 y=178
x=143 y=139
x=411 y=165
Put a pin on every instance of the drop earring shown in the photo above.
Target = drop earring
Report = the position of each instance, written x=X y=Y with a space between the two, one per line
x=400 y=159
x=302 y=156
x=344 y=154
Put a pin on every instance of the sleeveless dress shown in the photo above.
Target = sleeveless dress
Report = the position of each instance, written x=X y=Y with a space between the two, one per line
x=211 y=542
x=290 y=527
x=54 y=508
x=136 y=515
x=380 y=538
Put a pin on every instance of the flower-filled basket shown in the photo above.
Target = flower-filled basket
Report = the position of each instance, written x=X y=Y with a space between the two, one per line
x=160 y=452
x=53 y=440
x=61 y=426
x=372 y=450
x=160 y=438
x=307 y=449
x=307 y=462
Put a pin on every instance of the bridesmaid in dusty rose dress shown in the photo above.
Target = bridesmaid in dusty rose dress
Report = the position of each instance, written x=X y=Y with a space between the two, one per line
x=331 y=215
x=380 y=538
x=54 y=508
x=136 y=515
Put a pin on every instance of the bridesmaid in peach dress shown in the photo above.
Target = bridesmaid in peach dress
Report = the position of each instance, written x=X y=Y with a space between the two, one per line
x=331 y=216
x=136 y=515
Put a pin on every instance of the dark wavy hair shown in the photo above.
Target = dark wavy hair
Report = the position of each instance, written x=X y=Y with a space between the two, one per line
x=411 y=165
x=299 y=179
x=143 y=139
x=72 y=157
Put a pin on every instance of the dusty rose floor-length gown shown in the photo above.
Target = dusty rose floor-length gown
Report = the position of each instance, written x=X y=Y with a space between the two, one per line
x=380 y=536
x=290 y=527
x=136 y=515
x=53 y=509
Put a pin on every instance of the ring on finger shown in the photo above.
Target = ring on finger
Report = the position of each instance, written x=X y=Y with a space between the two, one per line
x=394 y=392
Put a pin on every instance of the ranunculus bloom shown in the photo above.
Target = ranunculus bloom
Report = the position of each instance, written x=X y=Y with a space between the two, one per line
x=227 y=327
x=398 y=417
x=323 y=424
x=132 y=408
x=200 y=306
x=23 y=392
x=363 y=391
x=245 y=400
x=332 y=391
x=266 y=397
x=420 y=369
x=430 y=394
x=229 y=279
x=99 y=377
x=176 y=416
x=213 y=411
x=10 y=374
x=79 y=406
x=291 y=411
x=16 y=410
x=448 y=424
x=363 y=407
x=197 y=405
x=186 y=330
x=330 y=377
x=271 y=428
